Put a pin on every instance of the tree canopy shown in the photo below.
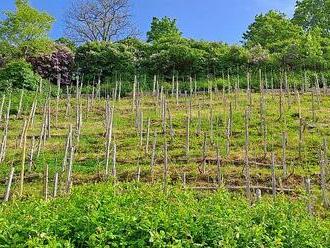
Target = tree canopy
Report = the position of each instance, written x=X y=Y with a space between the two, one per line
x=272 y=31
x=26 y=28
x=163 y=28
x=311 y=14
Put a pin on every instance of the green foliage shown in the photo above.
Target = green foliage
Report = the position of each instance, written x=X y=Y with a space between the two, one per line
x=18 y=75
x=312 y=14
x=163 y=28
x=7 y=53
x=104 y=58
x=142 y=216
x=311 y=48
x=272 y=41
x=175 y=54
x=26 y=29
x=272 y=31
x=63 y=41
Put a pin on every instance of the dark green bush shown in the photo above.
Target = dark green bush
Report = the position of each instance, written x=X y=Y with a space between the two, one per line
x=18 y=75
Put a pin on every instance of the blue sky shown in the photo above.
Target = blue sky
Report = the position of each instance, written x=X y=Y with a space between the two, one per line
x=216 y=20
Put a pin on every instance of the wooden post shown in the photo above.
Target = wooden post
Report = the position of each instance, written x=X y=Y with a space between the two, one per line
x=170 y=122
x=177 y=90
x=23 y=133
x=141 y=129
x=204 y=153
x=5 y=134
x=68 y=100
x=211 y=125
x=247 y=164
x=148 y=136
x=48 y=120
x=67 y=147
x=46 y=183
x=227 y=134
x=19 y=110
x=219 y=176
x=184 y=180
x=10 y=180
x=154 y=86
x=134 y=93
x=323 y=181
x=69 y=175
x=119 y=91
x=31 y=153
x=173 y=83
x=258 y=194
x=22 y=167
x=138 y=173
x=114 y=170
x=55 y=185
x=284 y=164
x=33 y=112
x=165 y=169
x=153 y=156
x=108 y=141
x=273 y=175
x=1 y=107
x=57 y=97
x=300 y=127
x=308 y=192
x=187 y=136
x=313 y=107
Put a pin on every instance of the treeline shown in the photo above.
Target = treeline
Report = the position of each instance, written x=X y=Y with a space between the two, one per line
x=273 y=43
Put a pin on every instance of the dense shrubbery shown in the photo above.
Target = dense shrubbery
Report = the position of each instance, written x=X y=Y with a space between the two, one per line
x=142 y=216
x=184 y=57
x=18 y=74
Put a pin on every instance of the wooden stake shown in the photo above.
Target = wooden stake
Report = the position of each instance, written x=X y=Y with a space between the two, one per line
x=10 y=180
x=22 y=167
x=46 y=183
x=55 y=185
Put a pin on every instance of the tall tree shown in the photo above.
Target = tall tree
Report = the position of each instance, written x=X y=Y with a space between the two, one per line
x=272 y=31
x=313 y=13
x=162 y=28
x=26 y=28
x=99 y=20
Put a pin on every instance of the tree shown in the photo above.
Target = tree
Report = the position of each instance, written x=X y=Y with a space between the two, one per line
x=162 y=28
x=272 y=31
x=105 y=58
x=99 y=20
x=311 y=48
x=313 y=13
x=26 y=29
x=66 y=42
